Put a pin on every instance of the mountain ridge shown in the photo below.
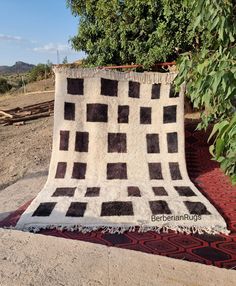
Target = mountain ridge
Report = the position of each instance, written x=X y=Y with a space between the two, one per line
x=18 y=67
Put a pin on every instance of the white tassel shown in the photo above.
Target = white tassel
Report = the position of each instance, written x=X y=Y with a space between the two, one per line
x=145 y=77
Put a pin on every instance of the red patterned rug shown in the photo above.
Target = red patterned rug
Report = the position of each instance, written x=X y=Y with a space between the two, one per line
x=217 y=250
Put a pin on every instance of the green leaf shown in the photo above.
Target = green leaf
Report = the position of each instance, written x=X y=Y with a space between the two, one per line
x=211 y=150
x=233 y=179
x=220 y=143
x=218 y=127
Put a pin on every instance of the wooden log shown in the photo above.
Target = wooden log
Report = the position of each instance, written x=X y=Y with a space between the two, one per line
x=50 y=102
x=5 y=114
x=22 y=114
x=38 y=104
x=27 y=118
x=20 y=123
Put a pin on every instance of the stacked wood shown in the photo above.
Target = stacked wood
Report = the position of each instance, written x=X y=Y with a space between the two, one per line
x=30 y=112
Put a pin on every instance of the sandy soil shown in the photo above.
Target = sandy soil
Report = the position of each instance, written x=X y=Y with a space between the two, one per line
x=35 y=260
x=25 y=147
x=20 y=100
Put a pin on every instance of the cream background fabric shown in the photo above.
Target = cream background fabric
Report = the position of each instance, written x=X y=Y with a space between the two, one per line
x=137 y=159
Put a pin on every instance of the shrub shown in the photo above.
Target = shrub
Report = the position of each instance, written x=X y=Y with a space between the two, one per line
x=41 y=71
x=210 y=75
x=4 y=85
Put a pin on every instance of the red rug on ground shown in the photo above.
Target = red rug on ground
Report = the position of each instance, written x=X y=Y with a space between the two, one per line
x=217 y=250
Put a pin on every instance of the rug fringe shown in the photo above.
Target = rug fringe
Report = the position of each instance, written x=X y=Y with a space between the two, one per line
x=121 y=229
x=144 y=77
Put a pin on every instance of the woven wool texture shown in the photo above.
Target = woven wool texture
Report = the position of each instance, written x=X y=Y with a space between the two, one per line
x=118 y=159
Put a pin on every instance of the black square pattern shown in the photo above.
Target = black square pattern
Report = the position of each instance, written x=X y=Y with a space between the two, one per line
x=109 y=87
x=169 y=114
x=153 y=143
x=64 y=140
x=116 y=171
x=175 y=171
x=75 y=86
x=159 y=207
x=145 y=115
x=197 y=208
x=69 y=111
x=185 y=191
x=134 y=89
x=173 y=93
x=64 y=192
x=134 y=191
x=44 y=209
x=92 y=192
x=172 y=142
x=123 y=114
x=81 y=141
x=155 y=171
x=79 y=170
x=61 y=170
x=159 y=191
x=76 y=209
x=156 y=87
x=97 y=112
x=117 y=209
x=117 y=142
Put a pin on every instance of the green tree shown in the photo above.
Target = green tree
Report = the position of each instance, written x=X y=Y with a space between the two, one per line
x=4 y=85
x=135 y=31
x=209 y=72
x=41 y=71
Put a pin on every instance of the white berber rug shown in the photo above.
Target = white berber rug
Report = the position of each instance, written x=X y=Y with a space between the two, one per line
x=118 y=159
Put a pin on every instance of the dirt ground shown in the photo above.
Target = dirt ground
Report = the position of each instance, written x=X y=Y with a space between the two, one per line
x=22 y=148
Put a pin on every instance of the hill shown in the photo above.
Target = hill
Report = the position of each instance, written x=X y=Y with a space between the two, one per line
x=18 y=67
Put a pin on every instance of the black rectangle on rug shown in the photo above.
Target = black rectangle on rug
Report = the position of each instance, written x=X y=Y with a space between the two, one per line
x=159 y=207
x=134 y=89
x=79 y=170
x=156 y=87
x=64 y=140
x=196 y=208
x=153 y=143
x=81 y=141
x=116 y=171
x=92 y=192
x=69 y=111
x=64 y=192
x=155 y=171
x=175 y=171
x=159 y=191
x=117 y=143
x=117 y=208
x=76 y=209
x=185 y=191
x=123 y=114
x=172 y=92
x=44 y=209
x=172 y=142
x=75 y=86
x=109 y=87
x=61 y=170
x=97 y=112
x=145 y=115
x=169 y=114
x=134 y=191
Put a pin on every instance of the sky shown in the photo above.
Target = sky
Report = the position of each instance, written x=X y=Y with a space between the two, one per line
x=33 y=31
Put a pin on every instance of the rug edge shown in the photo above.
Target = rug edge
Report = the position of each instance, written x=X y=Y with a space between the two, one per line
x=123 y=228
